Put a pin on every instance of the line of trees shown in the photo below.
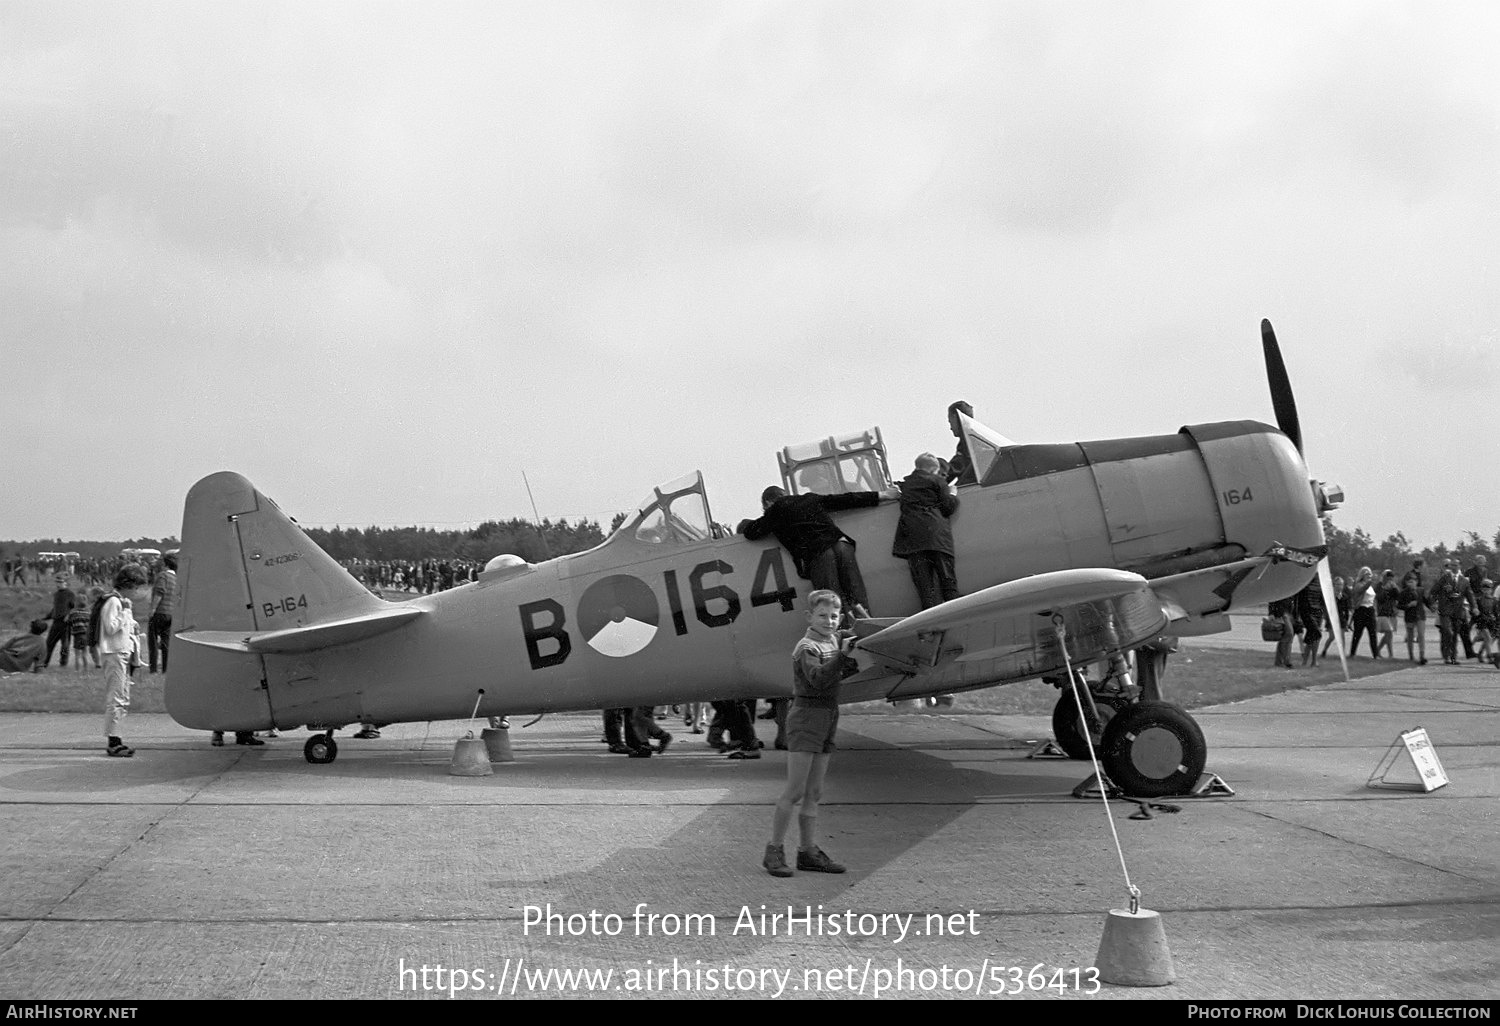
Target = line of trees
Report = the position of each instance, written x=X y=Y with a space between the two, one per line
x=1347 y=550
x=532 y=542
x=1350 y=550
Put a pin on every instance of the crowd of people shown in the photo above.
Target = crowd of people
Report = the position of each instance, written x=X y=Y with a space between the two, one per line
x=21 y=570
x=1462 y=601
x=420 y=577
x=99 y=628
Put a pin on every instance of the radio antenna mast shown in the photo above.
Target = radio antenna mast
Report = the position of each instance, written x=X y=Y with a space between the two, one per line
x=546 y=549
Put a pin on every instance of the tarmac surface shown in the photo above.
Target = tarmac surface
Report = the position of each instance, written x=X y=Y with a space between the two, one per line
x=199 y=872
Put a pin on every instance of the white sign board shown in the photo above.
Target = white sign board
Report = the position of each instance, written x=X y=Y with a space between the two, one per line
x=1424 y=759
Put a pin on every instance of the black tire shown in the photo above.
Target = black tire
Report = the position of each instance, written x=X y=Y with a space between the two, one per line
x=320 y=749
x=1153 y=749
x=1067 y=729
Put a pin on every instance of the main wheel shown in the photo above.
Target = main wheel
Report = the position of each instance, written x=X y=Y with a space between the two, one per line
x=1153 y=749
x=320 y=748
x=1067 y=728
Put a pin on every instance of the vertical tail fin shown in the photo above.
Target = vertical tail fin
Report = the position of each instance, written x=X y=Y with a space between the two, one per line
x=245 y=565
x=245 y=568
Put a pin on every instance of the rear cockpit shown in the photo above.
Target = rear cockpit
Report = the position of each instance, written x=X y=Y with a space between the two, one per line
x=858 y=462
x=836 y=464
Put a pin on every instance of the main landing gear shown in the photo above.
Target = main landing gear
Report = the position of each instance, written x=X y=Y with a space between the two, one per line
x=321 y=748
x=1153 y=749
x=1147 y=747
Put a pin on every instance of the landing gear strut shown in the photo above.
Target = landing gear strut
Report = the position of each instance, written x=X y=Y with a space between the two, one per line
x=1147 y=747
x=1069 y=732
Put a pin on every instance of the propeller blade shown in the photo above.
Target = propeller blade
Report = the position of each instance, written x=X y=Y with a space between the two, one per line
x=1325 y=577
x=1282 y=399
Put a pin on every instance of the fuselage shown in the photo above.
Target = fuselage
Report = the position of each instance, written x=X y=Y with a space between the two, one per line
x=645 y=619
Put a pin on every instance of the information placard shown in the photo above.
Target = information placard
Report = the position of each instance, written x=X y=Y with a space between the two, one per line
x=1424 y=759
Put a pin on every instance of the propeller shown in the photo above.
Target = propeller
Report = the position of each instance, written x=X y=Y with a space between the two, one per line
x=1282 y=400
x=1285 y=405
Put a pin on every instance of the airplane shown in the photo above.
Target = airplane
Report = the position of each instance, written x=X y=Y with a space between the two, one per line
x=1097 y=553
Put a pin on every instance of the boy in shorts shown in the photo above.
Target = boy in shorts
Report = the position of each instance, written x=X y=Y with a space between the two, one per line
x=820 y=661
x=78 y=627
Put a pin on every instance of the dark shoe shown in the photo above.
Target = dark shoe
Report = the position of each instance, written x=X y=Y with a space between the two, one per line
x=640 y=753
x=781 y=746
x=248 y=739
x=743 y=754
x=1422 y=662
x=697 y=730
x=661 y=746
x=218 y=740
x=816 y=862
x=505 y=723
x=775 y=861
x=618 y=749
x=368 y=734
x=120 y=750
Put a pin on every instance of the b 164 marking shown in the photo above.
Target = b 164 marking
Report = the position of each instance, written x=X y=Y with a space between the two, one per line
x=544 y=622
x=286 y=604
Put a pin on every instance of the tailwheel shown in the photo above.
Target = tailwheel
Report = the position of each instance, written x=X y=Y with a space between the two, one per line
x=320 y=748
x=1153 y=749
x=1068 y=730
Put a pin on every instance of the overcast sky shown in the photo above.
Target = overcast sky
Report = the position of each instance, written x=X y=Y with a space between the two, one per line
x=383 y=258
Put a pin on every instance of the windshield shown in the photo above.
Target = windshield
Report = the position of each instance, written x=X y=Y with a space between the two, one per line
x=675 y=513
x=984 y=444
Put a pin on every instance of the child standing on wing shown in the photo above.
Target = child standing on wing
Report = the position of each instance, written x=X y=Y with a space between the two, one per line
x=820 y=661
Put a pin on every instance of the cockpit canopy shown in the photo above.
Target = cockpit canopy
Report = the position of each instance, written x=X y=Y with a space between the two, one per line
x=677 y=513
x=836 y=464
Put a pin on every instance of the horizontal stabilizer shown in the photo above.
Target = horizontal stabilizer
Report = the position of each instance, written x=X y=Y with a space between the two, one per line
x=306 y=639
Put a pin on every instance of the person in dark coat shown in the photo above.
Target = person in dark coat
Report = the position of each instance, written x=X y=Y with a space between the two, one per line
x=924 y=537
x=1309 y=613
x=960 y=467
x=64 y=601
x=1285 y=611
x=1476 y=575
x=1450 y=596
x=822 y=552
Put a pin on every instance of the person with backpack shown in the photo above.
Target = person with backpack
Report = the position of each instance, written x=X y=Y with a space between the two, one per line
x=117 y=632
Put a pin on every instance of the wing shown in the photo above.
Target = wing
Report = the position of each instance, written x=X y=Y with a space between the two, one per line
x=1007 y=633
